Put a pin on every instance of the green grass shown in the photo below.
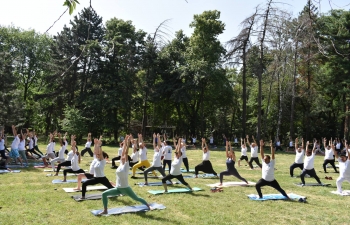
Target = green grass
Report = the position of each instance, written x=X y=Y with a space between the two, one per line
x=29 y=197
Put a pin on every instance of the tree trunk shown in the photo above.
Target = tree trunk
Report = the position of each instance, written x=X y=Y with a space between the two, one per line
x=291 y=127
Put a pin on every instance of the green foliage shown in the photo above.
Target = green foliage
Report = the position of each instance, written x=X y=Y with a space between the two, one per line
x=74 y=122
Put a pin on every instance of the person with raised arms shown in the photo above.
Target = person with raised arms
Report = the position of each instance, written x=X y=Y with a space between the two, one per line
x=74 y=162
x=167 y=152
x=309 y=165
x=268 y=171
x=67 y=162
x=299 y=157
x=31 y=148
x=175 y=171
x=87 y=146
x=120 y=151
x=22 y=147
x=205 y=166
x=122 y=184
x=14 y=146
x=253 y=153
x=291 y=145
x=243 y=152
x=50 y=149
x=60 y=157
x=143 y=157
x=328 y=156
x=183 y=152
x=156 y=164
x=35 y=137
x=2 y=148
x=230 y=163
x=344 y=166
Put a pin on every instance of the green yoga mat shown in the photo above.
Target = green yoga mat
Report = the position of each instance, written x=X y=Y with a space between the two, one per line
x=179 y=190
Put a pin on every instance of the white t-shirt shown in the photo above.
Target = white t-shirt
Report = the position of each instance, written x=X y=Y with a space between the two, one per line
x=328 y=154
x=143 y=154
x=183 y=151
x=309 y=161
x=75 y=162
x=344 y=168
x=211 y=140
x=134 y=157
x=244 y=151
x=176 y=166
x=50 y=147
x=15 y=143
x=167 y=152
x=156 y=159
x=299 y=156
x=253 y=151
x=92 y=166
x=70 y=155
x=194 y=140
x=206 y=156
x=31 y=143
x=268 y=170
x=291 y=144
x=2 y=144
x=278 y=143
x=337 y=146
x=120 y=151
x=122 y=175
x=236 y=140
x=99 y=168
x=21 y=145
x=88 y=144
x=61 y=152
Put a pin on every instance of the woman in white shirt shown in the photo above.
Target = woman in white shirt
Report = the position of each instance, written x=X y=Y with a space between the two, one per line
x=243 y=152
x=50 y=149
x=2 y=148
x=67 y=162
x=122 y=184
x=87 y=146
x=328 y=156
x=344 y=167
x=60 y=157
x=299 y=157
x=35 y=137
x=205 y=166
x=14 y=146
x=268 y=171
x=74 y=162
x=143 y=157
x=291 y=145
x=167 y=153
x=253 y=153
x=309 y=165
x=175 y=171
x=156 y=164
x=31 y=142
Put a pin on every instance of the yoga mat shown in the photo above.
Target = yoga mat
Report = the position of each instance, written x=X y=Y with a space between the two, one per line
x=311 y=184
x=42 y=166
x=275 y=197
x=185 y=171
x=61 y=175
x=62 y=170
x=179 y=190
x=96 y=196
x=129 y=209
x=68 y=181
x=344 y=193
x=232 y=184
x=156 y=183
x=7 y=171
x=88 y=188
x=207 y=175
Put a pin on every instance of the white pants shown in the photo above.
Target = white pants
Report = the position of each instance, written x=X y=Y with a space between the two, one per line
x=55 y=160
x=339 y=182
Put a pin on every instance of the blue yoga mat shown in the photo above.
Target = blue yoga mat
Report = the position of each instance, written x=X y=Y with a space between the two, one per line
x=156 y=183
x=311 y=184
x=7 y=171
x=179 y=190
x=68 y=181
x=275 y=197
x=128 y=209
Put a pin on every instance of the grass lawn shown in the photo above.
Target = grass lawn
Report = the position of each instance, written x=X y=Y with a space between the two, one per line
x=29 y=197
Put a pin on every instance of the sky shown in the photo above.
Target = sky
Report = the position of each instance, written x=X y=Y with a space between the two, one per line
x=145 y=14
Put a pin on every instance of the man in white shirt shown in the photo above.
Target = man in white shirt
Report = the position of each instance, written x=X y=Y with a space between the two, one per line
x=299 y=157
x=278 y=144
x=344 y=167
x=328 y=156
x=253 y=153
x=268 y=172
x=309 y=165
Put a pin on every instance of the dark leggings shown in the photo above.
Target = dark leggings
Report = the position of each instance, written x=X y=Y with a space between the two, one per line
x=34 y=152
x=96 y=180
x=118 y=158
x=185 y=161
x=72 y=171
x=311 y=173
x=295 y=165
x=87 y=150
x=37 y=149
x=273 y=184
x=2 y=154
x=65 y=163
x=256 y=160
x=166 y=162
x=330 y=161
x=170 y=176
x=279 y=148
x=206 y=167
x=232 y=172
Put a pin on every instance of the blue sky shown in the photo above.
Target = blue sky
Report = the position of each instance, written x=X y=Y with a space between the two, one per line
x=145 y=14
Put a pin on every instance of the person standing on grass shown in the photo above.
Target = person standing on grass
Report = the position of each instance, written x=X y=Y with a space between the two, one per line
x=243 y=152
x=14 y=146
x=278 y=144
x=143 y=157
x=122 y=184
x=67 y=162
x=268 y=171
x=309 y=165
x=60 y=157
x=167 y=152
x=230 y=163
x=211 y=141
x=299 y=157
x=328 y=156
x=50 y=149
x=35 y=137
x=2 y=148
x=344 y=166
x=205 y=166
x=175 y=171
x=156 y=164
x=74 y=162
x=291 y=145
x=194 y=140
x=253 y=153
x=87 y=146
x=183 y=153
x=31 y=148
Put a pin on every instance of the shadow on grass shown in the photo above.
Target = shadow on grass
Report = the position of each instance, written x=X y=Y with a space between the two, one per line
x=145 y=215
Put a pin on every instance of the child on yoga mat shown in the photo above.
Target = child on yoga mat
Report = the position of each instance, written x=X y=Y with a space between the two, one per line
x=205 y=166
x=122 y=184
x=268 y=171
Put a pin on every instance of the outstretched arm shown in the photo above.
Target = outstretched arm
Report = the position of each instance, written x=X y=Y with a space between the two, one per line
x=232 y=152
x=227 y=149
x=254 y=140
x=154 y=140
x=89 y=137
x=296 y=144
x=262 y=149
x=272 y=150
x=247 y=137
x=205 y=144
x=126 y=147
x=314 y=148
x=158 y=142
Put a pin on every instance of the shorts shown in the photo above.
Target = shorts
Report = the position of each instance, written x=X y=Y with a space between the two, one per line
x=244 y=157
x=14 y=153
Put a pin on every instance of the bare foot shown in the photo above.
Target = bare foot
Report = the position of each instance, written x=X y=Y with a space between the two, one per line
x=64 y=181
x=76 y=189
x=103 y=212
x=220 y=184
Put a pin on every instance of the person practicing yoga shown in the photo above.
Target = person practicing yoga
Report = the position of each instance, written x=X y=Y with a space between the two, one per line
x=50 y=149
x=74 y=162
x=253 y=153
x=175 y=171
x=278 y=145
x=328 y=156
x=299 y=157
x=156 y=164
x=122 y=184
x=205 y=166
x=87 y=146
x=268 y=171
x=60 y=157
x=184 y=156
x=31 y=148
x=344 y=166
x=143 y=157
x=167 y=153
x=2 y=148
x=120 y=151
x=291 y=145
x=243 y=152
x=68 y=162
x=230 y=163
x=35 y=137
x=14 y=146
x=309 y=165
